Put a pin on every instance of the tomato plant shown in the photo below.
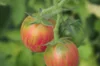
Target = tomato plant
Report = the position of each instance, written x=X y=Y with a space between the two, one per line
x=61 y=55
x=35 y=36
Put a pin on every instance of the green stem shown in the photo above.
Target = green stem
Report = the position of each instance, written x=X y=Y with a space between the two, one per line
x=62 y=3
x=47 y=3
x=56 y=29
x=52 y=8
x=54 y=2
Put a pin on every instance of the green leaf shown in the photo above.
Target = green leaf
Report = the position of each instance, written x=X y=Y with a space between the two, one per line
x=4 y=19
x=97 y=25
x=48 y=3
x=24 y=58
x=86 y=51
x=38 y=59
x=18 y=11
x=72 y=28
x=13 y=35
x=89 y=62
x=4 y=2
x=7 y=60
x=8 y=53
x=36 y=5
x=10 y=47
x=31 y=2
x=82 y=10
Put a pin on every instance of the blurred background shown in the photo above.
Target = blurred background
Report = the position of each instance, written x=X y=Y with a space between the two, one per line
x=12 y=13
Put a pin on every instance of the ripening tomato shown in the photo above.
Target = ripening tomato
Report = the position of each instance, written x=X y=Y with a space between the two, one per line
x=35 y=36
x=61 y=55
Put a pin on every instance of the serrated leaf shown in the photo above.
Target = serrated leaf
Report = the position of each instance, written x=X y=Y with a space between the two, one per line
x=72 y=28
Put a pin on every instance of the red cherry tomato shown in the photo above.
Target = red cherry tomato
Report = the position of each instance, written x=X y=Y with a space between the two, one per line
x=61 y=55
x=35 y=36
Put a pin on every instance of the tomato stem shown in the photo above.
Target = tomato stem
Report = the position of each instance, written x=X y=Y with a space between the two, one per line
x=55 y=2
x=56 y=7
x=53 y=8
x=56 y=29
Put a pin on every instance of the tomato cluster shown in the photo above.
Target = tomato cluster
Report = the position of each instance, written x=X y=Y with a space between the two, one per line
x=36 y=36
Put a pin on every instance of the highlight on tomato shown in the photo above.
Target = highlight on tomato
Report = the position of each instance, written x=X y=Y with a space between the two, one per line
x=62 y=55
x=35 y=36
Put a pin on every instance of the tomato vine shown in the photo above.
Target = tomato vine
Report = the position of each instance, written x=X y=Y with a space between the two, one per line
x=57 y=6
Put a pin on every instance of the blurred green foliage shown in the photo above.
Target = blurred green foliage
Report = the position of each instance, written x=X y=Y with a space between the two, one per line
x=12 y=13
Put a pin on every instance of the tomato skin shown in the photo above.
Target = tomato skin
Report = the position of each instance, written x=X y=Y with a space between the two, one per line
x=35 y=36
x=61 y=55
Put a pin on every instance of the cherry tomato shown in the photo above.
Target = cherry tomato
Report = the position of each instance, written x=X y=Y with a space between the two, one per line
x=62 y=55
x=35 y=36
